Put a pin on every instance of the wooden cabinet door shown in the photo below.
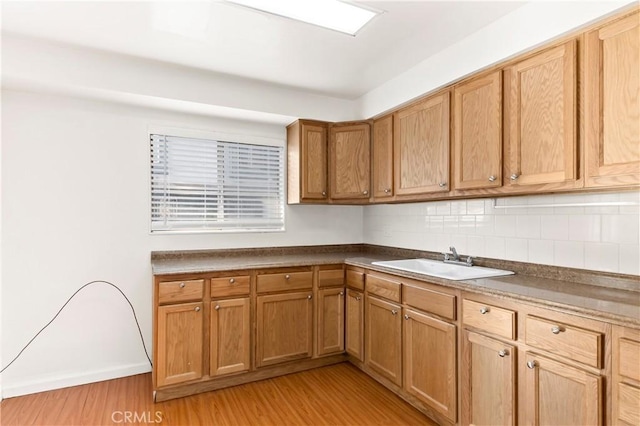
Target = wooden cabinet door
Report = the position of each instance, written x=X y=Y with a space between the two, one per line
x=179 y=347
x=625 y=399
x=350 y=157
x=313 y=162
x=540 y=109
x=612 y=104
x=382 y=157
x=421 y=147
x=557 y=394
x=230 y=336
x=284 y=327
x=488 y=371
x=330 y=321
x=429 y=347
x=383 y=338
x=354 y=339
x=477 y=141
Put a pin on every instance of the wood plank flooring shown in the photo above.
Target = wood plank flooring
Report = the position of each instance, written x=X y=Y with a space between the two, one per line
x=335 y=395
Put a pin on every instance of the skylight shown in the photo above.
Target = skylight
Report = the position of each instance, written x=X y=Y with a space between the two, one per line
x=333 y=14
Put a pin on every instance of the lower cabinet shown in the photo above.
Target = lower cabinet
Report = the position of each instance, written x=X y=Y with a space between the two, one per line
x=230 y=336
x=626 y=376
x=429 y=347
x=330 y=329
x=179 y=343
x=354 y=324
x=558 y=394
x=284 y=327
x=488 y=380
x=383 y=338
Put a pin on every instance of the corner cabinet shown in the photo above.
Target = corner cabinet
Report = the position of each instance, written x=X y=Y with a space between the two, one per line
x=421 y=147
x=349 y=161
x=307 y=162
x=612 y=113
x=541 y=119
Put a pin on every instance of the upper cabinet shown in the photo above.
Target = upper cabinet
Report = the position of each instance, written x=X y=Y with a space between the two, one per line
x=421 y=147
x=382 y=158
x=612 y=104
x=349 y=159
x=477 y=143
x=307 y=162
x=540 y=119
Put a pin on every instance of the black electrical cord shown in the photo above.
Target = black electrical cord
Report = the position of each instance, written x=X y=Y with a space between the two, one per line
x=67 y=302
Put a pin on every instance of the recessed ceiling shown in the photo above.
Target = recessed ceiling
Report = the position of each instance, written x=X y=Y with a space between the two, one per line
x=226 y=38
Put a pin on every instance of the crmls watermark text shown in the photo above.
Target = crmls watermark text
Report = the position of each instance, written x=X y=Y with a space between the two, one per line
x=136 y=417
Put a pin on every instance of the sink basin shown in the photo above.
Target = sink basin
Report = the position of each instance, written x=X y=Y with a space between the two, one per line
x=439 y=269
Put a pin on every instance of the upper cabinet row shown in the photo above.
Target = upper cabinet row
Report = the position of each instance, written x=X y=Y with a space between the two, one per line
x=525 y=127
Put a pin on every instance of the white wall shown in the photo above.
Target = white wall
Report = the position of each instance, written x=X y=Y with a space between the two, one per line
x=75 y=175
x=595 y=238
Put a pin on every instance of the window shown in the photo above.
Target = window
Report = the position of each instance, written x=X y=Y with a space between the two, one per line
x=202 y=184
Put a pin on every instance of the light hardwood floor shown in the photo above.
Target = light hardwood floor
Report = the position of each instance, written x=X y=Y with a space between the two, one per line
x=335 y=395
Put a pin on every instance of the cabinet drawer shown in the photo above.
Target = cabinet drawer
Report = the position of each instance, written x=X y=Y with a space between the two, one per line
x=230 y=286
x=434 y=302
x=383 y=287
x=568 y=341
x=285 y=281
x=355 y=280
x=629 y=362
x=628 y=404
x=331 y=278
x=492 y=319
x=180 y=291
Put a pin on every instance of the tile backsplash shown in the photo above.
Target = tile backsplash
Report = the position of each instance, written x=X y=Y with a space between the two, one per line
x=562 y=230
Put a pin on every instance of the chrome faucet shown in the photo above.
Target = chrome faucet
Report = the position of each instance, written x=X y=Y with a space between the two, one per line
x=454 y=257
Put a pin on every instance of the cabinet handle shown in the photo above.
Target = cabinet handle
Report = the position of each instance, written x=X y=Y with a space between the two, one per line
x=365 y=192
x=182 y=285
x=217 y=308
x=406 y=317
x=484 y=310
x=556 y=329
x=310 y=297
x=502 y=353
x=492 y=178
x=531 y=364
x=387 y=191
x=324 y=193
x=442 y=184
x=197 y=309
x=286 y=277
x=358 y=298
x=232 y=280
x=394 y=312
x=514 y=176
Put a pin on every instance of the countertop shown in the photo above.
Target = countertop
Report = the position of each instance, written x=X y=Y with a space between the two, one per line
x=611 y=297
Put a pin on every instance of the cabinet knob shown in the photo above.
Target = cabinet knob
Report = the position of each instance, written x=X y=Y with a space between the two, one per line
x=324 y=193
x=484 y=310
x=197 y=309
x=342 y=293
x=310 y=297
x=442 y=184
x=556 y=329
x=387 y=191
x=365 y=192
x=406 y=317
x=502 y=353
x=492 y=178
x=232 y=280
x=358 y=298
x=286 y=277
x=531 y=364
x=394 y=312
x=182 y=285
x=514 y=176
x=217 y=308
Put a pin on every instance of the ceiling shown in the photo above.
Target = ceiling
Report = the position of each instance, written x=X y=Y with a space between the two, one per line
x=226 y=38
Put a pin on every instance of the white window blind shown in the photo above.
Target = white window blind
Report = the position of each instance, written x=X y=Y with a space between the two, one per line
x=201 y=184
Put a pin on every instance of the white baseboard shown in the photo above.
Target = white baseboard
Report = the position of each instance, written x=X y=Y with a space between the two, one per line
x=49 y=383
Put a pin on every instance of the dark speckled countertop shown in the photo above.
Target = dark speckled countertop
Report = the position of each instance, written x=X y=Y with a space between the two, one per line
x=612 y=297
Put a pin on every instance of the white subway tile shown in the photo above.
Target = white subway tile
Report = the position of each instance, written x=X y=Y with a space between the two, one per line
x=505 y=226
x=444 y=242
x=430 y=243
x=489 y=207
x=458 y=207
x=620 y=229
x=467 y=224
x=541 y=251
x=516 y=249
x=629 y=259
x=485 y=224
x=539 y=200
x=568 y=199
x=450 y=224
x=475 y=207
x=459 y=241
x=630 y=197
x=443 y=208
x=432 y=209
x=528 y=226
x=475 y=245
x=554 y=227
x=436 y=224
x=494 y=247
x=601 y=256
x=568 y=253
x=584 y=228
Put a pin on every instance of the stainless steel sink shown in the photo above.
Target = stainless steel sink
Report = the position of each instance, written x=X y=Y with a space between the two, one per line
x=439 y=269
